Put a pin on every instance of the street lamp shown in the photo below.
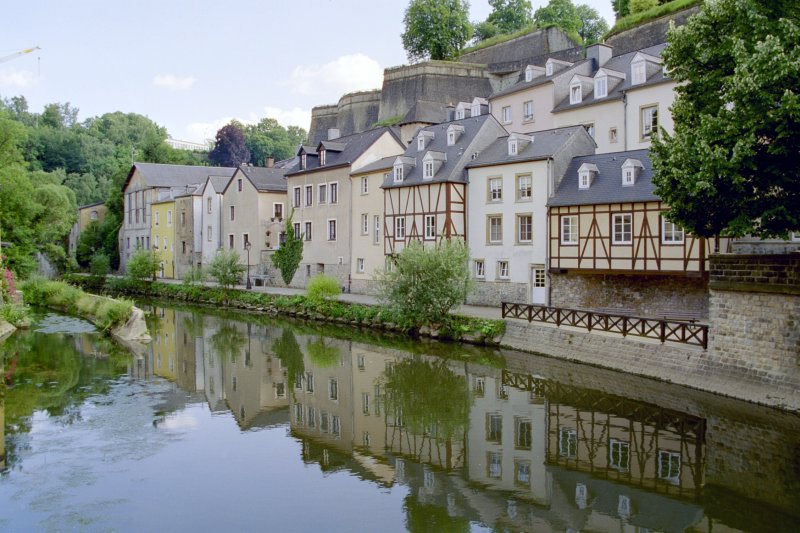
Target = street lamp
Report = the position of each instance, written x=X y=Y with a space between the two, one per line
x=247 y=247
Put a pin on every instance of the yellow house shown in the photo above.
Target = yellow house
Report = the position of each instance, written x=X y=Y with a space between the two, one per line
x=164 y=344
x=162 y=235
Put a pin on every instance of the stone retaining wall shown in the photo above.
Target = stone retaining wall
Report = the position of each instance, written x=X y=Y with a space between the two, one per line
x=493 y=293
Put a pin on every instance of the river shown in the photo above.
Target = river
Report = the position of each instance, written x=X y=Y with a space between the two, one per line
x=235 y=422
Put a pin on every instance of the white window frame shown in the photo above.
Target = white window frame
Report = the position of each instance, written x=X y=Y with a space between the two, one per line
x=360 y=265
x=208 y=236
x=569 y=230
x=480 y=269
x=575 y=93
x=513 y=146
x=528 y=74
x=322 y=193
x=169 y=217
x=231 y=241
x=589 y=127
x=297 y=197
x=525 y=193
x=520 y=227
x=568 y=443
x=400 y=228
x=548 y=68
x=331 y=225
x=615 y=455
x=622 y=226
x=495 y=194
x=671 y=457
x=233 y=213
x=420 y=142
x=638 y=72
x=427 y=169
x=451 y=138
x=601 y=87
x=494 y=222
x=460 y=114
x=309 y=196
x=628 y=176
x=648 y=121
x=333 y=192
x=322 y=158
x=208 y=205
x=430 y=227
x=364 y=224
x=671 y=233
x=527 y=110
x=376 y=239
x=584 y=179
x=308 y=233
x=503 y=269
x=398 y=173
x=506 y=114
x=365 y=185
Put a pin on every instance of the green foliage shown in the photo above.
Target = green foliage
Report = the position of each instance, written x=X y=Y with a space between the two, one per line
x=592 y=26
x=196 y=275
x=385 y=123
x=89 y=244
x=144 y=265
x=637 y=6
x=561 y=13
x=322 y=288
x=230 y=148
x=270 y=139
x=110 y=313
x=288 y=351
x=100 y=265
x=426 y=283
x=322 y=353
x=435 y=29
x=630 y=20
x=730 y=166
x=510 y=15
x=485 y=30
x=226 y=268
x=621 y=8
x=15 y=314
x=287 y=258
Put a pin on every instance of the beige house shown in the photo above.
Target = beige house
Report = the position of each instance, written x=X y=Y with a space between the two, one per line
x=253 y=206
x=87 y=214
x=188 y=231
x=320 y=191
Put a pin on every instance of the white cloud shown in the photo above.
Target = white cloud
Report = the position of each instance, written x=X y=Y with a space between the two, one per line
x=203 y=131
x=173 y=82
x=289 y=117
x=354 y=72
x=11 y=77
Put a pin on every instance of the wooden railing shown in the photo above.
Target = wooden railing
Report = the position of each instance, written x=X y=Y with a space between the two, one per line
x=686 y=332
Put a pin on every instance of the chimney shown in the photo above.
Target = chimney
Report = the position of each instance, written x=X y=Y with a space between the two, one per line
x=601 y=53
x=333 y=133
x=451 y=112
x=270 y=162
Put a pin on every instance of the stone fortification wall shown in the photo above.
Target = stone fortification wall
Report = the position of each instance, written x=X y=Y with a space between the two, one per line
x=648 y=34
x=358 y=111
x=645 y=295
x=535 y=44
x=323 y=118
x=435 y=81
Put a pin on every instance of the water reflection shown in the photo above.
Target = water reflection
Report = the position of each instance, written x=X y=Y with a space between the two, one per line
x=516 y=443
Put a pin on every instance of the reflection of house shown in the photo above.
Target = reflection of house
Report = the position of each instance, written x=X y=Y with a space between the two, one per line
x=213 y=369
x=2 y=429
x=185 y=351
x=87 y=214
x=164 y=344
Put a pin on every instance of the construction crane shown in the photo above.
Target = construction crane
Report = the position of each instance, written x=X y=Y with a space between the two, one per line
x=17 y=54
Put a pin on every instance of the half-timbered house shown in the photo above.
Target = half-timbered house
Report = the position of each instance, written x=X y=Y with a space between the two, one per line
x=425 y=195
x=612 y=247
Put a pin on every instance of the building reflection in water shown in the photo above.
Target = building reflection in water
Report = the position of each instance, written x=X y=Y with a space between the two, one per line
x=473 y=443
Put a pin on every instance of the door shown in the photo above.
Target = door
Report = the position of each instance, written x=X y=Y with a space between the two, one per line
x=538 y=285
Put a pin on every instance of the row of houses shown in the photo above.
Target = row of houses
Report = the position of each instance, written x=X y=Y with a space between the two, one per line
x=548 y=181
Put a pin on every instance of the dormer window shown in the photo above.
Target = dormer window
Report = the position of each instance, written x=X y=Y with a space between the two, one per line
x=601 y=87
x=303 y=161
x=322 y=153
x=398 y=173
x=630 y=171
x=528 y=74
x=459 y=114
x=575 y=93
x=477 y=104
x=586 y=174
x=453 y=133
x=427 y=170
x=512 y=147
x=548 y=68
x=638 y=72
x=451 y=138
x=420 y=143
x=476 y=110
x=517 y=143
x=423 y=138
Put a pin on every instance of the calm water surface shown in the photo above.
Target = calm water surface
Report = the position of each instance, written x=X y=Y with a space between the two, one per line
x=229 y=422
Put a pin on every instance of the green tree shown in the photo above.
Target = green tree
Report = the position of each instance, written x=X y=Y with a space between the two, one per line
x=144 y=265
x=560 y=13
x=485 y=30
x=436 y=29
x=637 y=6
x=230 y=148
x=90 y=243
x=100 y=265
x=621 y=8
x=592 y=25
x=226 y=268
x=730 y=165
x=270 y=139
x=510 y=15
x=426 y=283
x=287 y=258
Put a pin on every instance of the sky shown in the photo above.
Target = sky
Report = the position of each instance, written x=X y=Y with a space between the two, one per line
x=192 y=66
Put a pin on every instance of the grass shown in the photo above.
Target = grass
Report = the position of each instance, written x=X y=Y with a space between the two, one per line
x=391 y=121
x=497 y=39
x=635 y=19
x=15 y=314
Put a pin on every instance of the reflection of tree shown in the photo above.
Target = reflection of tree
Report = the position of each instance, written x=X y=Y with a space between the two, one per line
x=228 y=340
x=431 y=517
x=288 y=351
x=429 y=399
x=322 y=354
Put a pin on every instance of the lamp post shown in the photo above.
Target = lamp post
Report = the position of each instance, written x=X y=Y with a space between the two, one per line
x=247 y=247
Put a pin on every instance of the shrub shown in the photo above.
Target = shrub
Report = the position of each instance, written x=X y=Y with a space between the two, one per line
x=196 y=275
x=100 y=265
x=112 y=313
x=143 y=265
x=226 y=268
x=14 y=314
x=287 y=258
x=637 y=6
x=322 y=288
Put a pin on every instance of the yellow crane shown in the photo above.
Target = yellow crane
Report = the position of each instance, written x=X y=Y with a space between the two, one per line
x=17 y=54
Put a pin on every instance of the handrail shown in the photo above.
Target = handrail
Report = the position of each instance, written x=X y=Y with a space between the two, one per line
x=685 y=332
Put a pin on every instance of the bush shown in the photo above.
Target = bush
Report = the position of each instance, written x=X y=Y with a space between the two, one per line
x=112 y=313
x=143 y=265
x=100 y=265
x=426 y=283
x=637 y=6
x=225 y=268
x=14 y=314
x=196 y=275
x=322 y=288
x=287 y=258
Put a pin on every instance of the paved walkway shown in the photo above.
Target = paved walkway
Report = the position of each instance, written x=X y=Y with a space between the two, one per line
x=466 y=310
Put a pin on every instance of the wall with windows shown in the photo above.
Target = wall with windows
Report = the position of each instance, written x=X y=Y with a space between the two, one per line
x=604 y=122
x=211 y=233
x=366 y=230
x=188 y=226
x=539 y=100
x=162 y=237
x=641 y=105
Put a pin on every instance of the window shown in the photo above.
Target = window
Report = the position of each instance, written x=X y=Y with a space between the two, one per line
x=502 y=269
x=601 y=87
x=277 y=211
x=575 y=94
x=376 y=238
x=365 y=402
x=495 y=229
x=528 y=74
x=400 y=228
x=334 y=193
x=364 y=224
x=157 y=218
x=183 y=218
x=638 y=72
x=569 y=229
x=669 y=466
x=507 y=114
x=522 y=433
x=230 y=241
x=233 y=213
x=494 y=427
x=365 y=185
x=312 y=417
x=322 y=154
x=584 y=179
x=309 y=382
x=398 y=173
x=239 y=184
x=420 y=142
x=459 y=114
x=649 y=121
x=524 y=187
x=208 y=205
x=333 y=389
x=430 y=226
x=527 y=110
x=208 y=233
x=324 y=422
x=619 y=455
x=299 y=413
x=245 y=240
x=671 y=233
x=303 y=161
x=427 y=170
x=524 y=228
x=479 y=386
x=480 y=268
x=568 y=443
x=627 y=176
x=612 y=135
x=308 y=231
x=309 y=195
x=451 y=137
x=156 y=240
x=335 y=425
x=623 y=229
x=297 y=230
x=522 y=475
x=295 y=198
x=360 y=264
x=589 y=129
x=128 y=244
x=494 y=464
x=323 y=189
x=332 y=230
x=512 y=147
x=183 y=247
x=495 y=189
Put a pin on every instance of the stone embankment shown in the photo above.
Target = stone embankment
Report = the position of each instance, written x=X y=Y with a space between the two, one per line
x=6 y=329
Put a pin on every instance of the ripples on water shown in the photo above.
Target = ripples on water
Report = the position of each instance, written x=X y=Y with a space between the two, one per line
x=253 y=424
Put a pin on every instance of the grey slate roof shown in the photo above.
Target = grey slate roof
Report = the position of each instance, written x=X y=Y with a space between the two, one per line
x=265 y=179
x=457 y=155
x=159 y=175
x=380 y=164
x=218 y=182
x=352 y=148
x=620 y=63
x=545 y=144
x=607 y=184
x=521 y=85
x=425 y=111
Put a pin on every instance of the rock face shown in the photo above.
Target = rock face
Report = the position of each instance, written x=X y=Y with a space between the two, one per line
x=6 y=329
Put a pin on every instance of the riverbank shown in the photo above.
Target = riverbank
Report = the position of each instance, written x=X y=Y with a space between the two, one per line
x=6 y=329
